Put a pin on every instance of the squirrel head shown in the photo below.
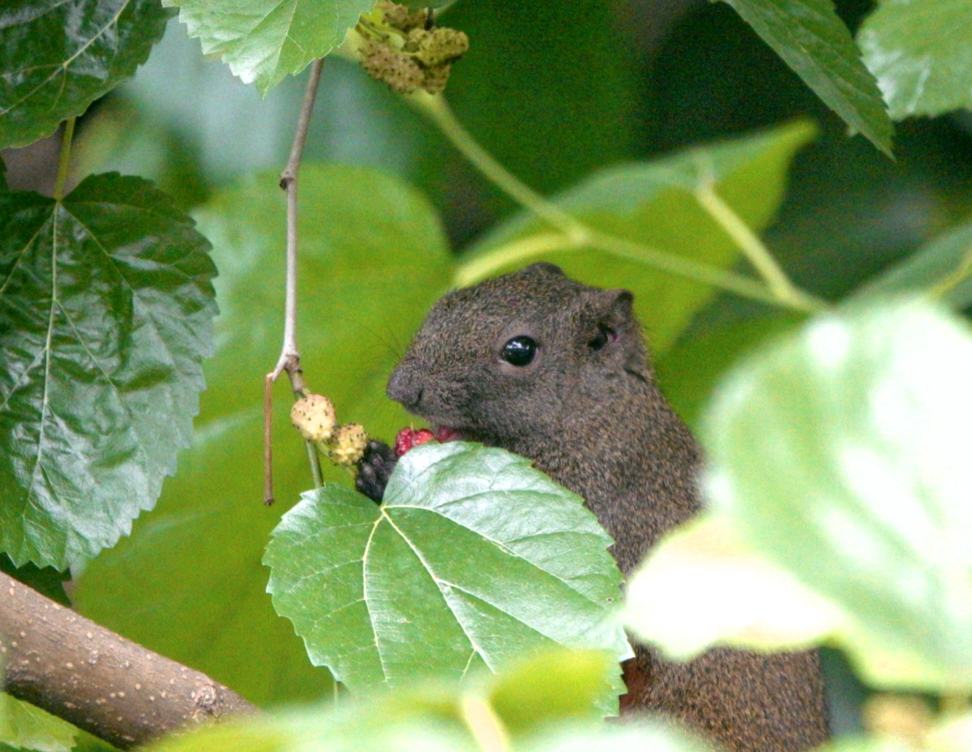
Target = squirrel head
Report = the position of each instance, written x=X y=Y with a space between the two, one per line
x=513 y=356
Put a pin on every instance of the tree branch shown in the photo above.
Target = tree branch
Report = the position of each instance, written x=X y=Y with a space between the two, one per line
x=99 y=681
x=289 y=359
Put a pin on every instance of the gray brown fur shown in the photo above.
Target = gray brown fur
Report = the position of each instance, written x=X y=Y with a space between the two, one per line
x=597 y=423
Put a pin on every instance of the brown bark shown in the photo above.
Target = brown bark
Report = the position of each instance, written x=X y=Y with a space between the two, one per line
x=109 y=686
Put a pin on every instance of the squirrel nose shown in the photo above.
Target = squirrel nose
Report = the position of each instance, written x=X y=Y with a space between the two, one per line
x=402 y=387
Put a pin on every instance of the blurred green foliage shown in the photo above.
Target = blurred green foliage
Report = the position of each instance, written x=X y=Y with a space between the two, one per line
x=563 y=94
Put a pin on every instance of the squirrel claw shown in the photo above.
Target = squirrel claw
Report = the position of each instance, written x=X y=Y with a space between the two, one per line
x=374 y=469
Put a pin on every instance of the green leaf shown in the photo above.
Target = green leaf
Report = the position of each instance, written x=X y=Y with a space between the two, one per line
x=654 y=204
x=441 y=718
x=552 y=686
x=262 y=41
x=25 y=726
x=841 y=454
x=815 y=43
x=701 y=587
x=373 y=259
x=943 y=267
x=953 y=734
x=921 y=54
x=105 y=315
x=690 y=370
x=472 y=559
x=621 y=737
x=56 y=58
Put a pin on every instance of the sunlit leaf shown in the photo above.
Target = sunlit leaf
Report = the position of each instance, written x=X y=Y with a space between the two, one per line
x=264 y=40
x=841 y=454
x=439 y=718
x=702 y=587
x=472 y=559
x=106 y=306
x=57 y=57
x=815 y=43
x=921 y=53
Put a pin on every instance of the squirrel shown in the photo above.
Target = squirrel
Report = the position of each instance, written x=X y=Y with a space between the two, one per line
x=558 y=372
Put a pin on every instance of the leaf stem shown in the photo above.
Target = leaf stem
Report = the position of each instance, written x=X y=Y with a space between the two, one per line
x=484 y=725
x=954 y=278
x=752 y=247
x=64 y=159
x=289 y=359
x=481 y=266
x=438 y=111
x=573 y=234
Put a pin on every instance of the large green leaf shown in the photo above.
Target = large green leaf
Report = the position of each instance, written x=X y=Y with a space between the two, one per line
x=473 y=558
x=842 y=455
x=105 y=315
x=815 y=43
x=441 y=718
x=26 y=727
x=264 y=40
x=373 y=258
x=700 y=587
x=654 y=204
x=921 y=54
x=942 y=267
x=58 y=56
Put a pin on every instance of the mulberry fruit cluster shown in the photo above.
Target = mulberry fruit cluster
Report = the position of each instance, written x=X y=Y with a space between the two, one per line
x=313 y=415
x=409 y=438
x=402 y=49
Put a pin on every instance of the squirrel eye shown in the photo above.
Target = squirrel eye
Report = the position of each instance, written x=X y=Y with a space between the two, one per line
x=604 y=335
x=519 y=351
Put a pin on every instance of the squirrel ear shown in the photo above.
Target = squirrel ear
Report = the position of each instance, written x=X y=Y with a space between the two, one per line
x=615 y=305
x=545 y=267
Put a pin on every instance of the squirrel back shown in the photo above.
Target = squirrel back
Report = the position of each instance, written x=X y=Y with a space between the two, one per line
x=557 y=371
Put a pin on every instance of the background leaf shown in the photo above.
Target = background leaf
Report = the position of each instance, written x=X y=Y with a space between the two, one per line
x=105 y=315
x=921 y=54
x=266 y=40
x=26 y=727
x=839 y=454
x=653 y=203
x=472 y=559
x=56 y=58
x=943 y=266
x=815 y=43
x=701 y=587
x=374 y=258
x=440 y=718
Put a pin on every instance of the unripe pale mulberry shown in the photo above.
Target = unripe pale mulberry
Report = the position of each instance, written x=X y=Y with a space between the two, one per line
x=313 y=416
x=347 y=445
x=441 y=46
x=396 y=69
x=403 y=18
x=436 y=79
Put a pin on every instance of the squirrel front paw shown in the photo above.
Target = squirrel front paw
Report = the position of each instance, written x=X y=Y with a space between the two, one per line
x=374 y=468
